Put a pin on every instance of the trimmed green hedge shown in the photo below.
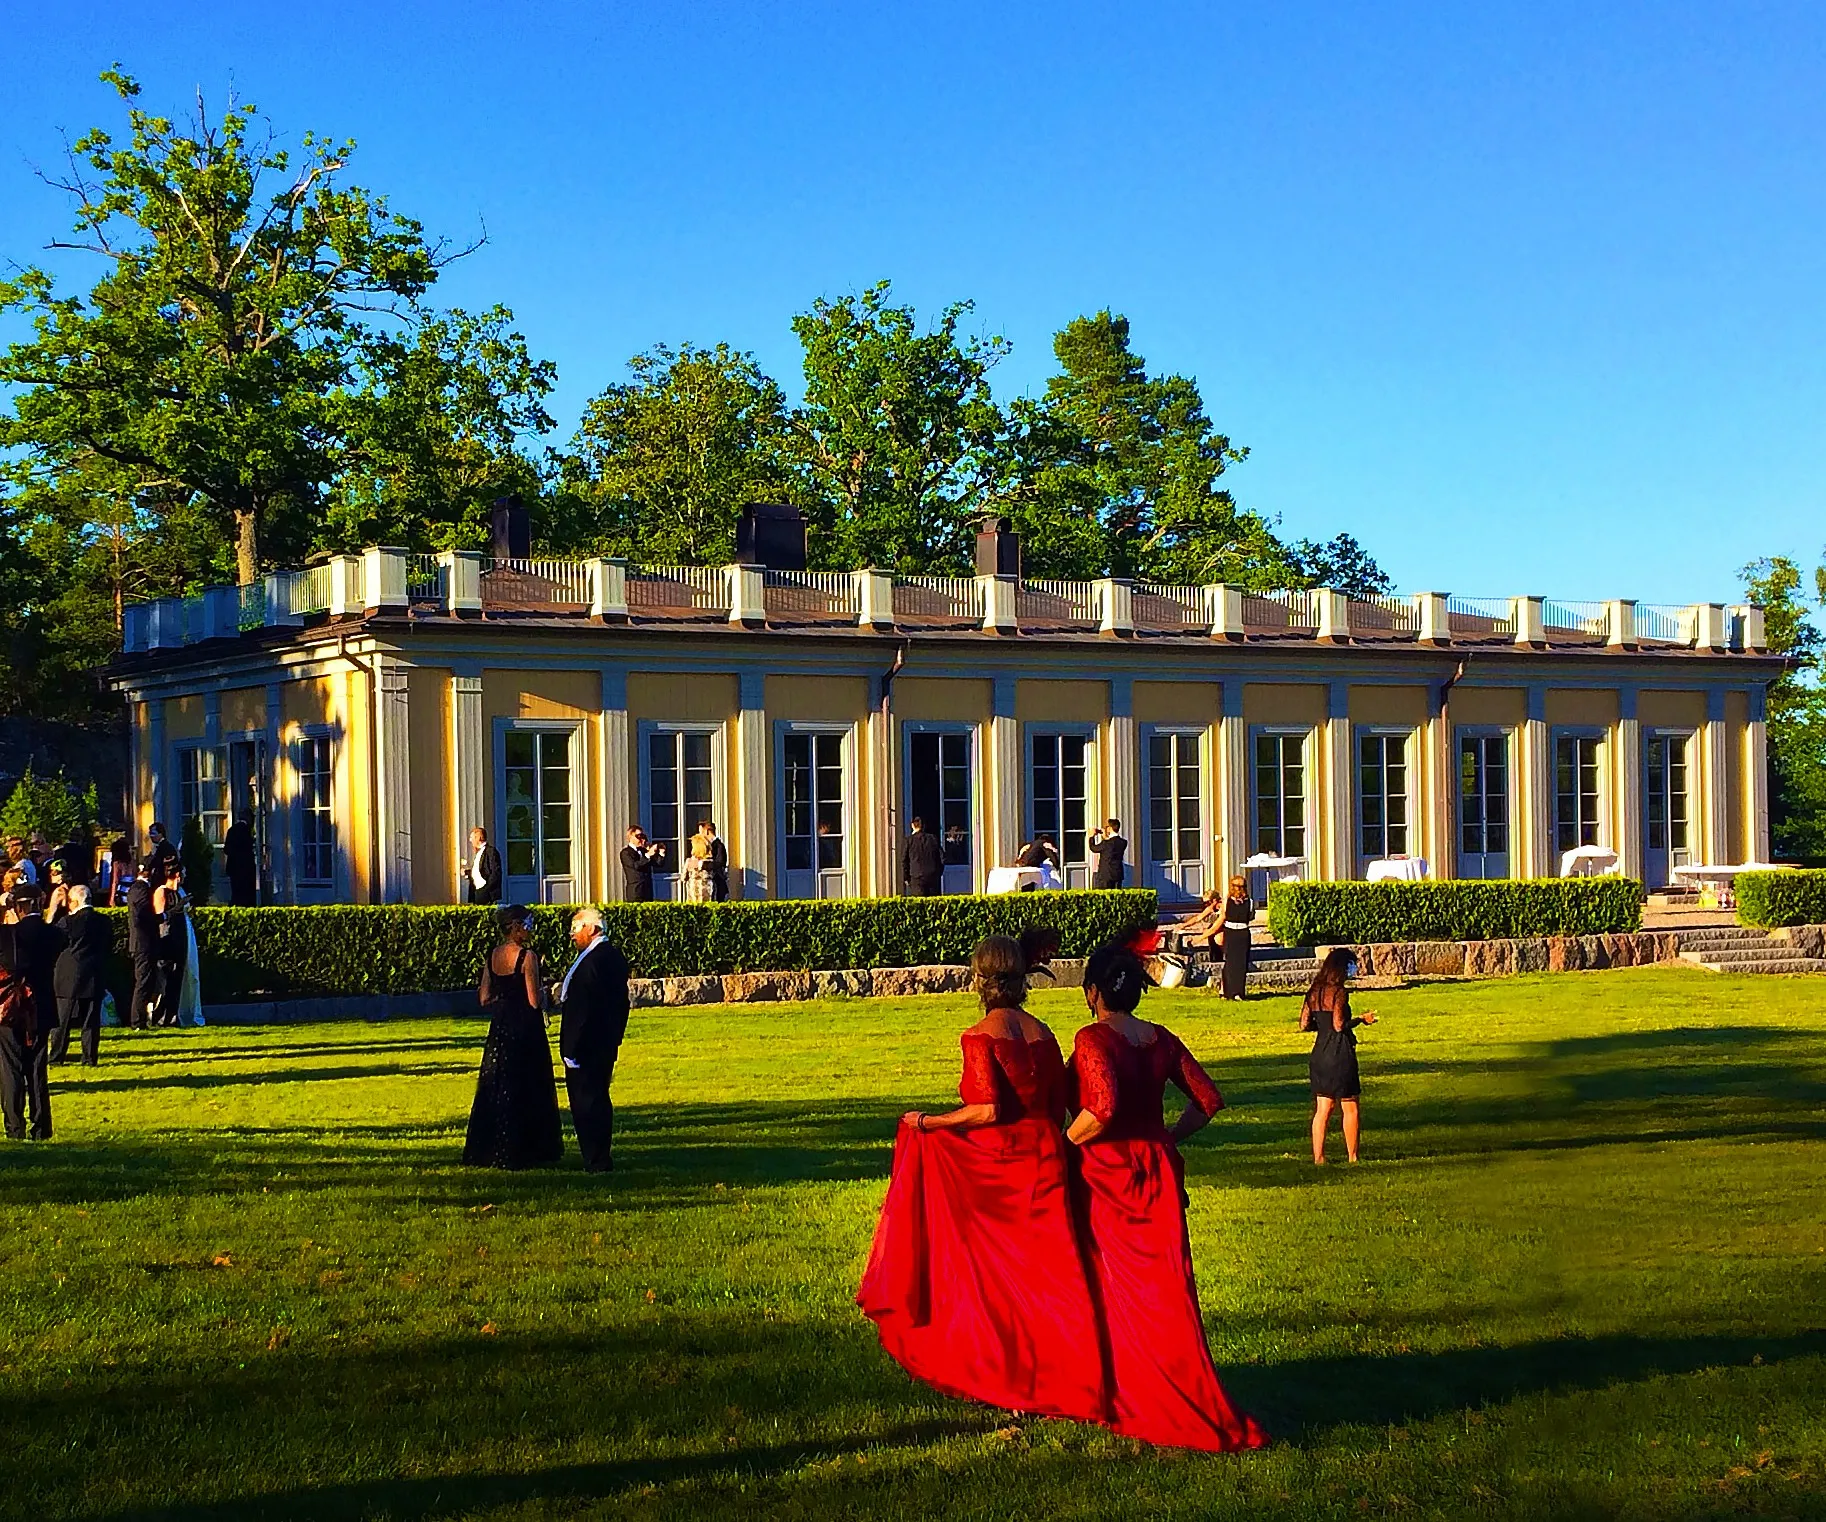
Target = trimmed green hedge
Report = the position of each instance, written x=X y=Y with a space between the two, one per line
x=315 y=952
x=1318 y=914
x=1770 y=899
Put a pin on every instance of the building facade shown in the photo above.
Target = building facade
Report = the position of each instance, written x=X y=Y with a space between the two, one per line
x=363 y=714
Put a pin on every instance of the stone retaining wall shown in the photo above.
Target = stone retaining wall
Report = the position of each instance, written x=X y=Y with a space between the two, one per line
x=1500 y=959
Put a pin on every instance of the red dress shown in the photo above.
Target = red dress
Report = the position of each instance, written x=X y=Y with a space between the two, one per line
x=976 y=1281
x=1164 y=1388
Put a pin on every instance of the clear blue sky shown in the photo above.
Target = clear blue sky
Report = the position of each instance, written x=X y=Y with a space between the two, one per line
x=1527 y=296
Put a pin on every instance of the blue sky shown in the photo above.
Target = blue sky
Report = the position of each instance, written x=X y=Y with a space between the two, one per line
x=1527 y=297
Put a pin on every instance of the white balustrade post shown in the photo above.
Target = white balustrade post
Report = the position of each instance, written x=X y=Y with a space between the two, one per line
x=1334 y=615
x=998 y=604
x=1620 y=622
x=747 y=595
x=1435 y=622
x=874 y=599
x=1712 y=634
x=608 y=580
x=345 y=585
x=1756 y=636
x=463 y=582
x=1530 y=625
x=135 y=627
x=279 y=614
x=221 y=612
x=1224 y=604
x=383 y=580
x=1115 y=606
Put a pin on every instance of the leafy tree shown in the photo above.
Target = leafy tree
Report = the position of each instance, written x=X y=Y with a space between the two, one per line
x=210 y=356
x=1343 y=563
x=663 y=463
x=898 y=434
x=1796 y=708
x=48 y=804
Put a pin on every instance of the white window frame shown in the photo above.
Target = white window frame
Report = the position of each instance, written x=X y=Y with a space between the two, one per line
x=1077 y=874
x=957 y=879
x=1510 y=740
x=666 y=877
x=851 y=836
x=579 y=874
x=1306 y=734
x=1411 y=813
x=1601 y=825
x=1143 y=870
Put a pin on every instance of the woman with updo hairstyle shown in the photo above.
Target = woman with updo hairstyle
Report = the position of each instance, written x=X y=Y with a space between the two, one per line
x=976 y=1280
x=1131 y=1194
x=514 y=1120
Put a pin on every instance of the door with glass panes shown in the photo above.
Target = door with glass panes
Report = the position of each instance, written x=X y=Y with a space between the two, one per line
x=1279 y=788
x=1175 y=836
x=1666 y=830
x=813 y=817
x=1059 y=800
x=679 y=787
x=1382 y=795
x=538 y=816
x=939 y=794
x=1483 y=805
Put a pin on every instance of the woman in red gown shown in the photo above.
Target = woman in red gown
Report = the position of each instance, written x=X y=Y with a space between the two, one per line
x=976 y=1281
x=1131 y=1187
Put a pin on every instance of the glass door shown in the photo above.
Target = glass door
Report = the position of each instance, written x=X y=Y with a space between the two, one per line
x=1382 y=796
x=1059 y=786
x=536 y=841
x=939 y=793
x=1280 y=801
x=681 y=795
x=247 y=793
x=1666 y=842
x=1483 y=806
x=1175 y=839
x=1575 y=785
x=812 y=842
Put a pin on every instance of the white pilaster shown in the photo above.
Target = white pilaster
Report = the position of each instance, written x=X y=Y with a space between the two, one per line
x=1002 y=813
x=281 y=790
x=1626 y=788
x=1233 y=781
x=393 y=779
x=1338 y=823
x=1533 y=830
x=472 y=760
x=1438 y=807
x=754 y=782
x=1756 y=779
x=1714 y=788
x=1123 y=798
x=616 y=783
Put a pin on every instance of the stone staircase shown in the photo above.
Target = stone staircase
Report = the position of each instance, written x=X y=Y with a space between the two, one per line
x=1738 y=950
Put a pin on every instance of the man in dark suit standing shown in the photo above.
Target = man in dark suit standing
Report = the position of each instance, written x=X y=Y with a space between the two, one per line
x=80 y=978
x=159 y=850
x=243 y=865
x=638 y=857
x=593 y=1001
x=482 y=872
x=1109 y=848
x=143 y=941
x=29 y=947
x=924 y=865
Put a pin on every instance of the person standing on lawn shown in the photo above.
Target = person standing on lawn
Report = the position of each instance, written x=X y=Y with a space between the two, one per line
x=1237 y=938
x=29 y=948
x=976 y=1281
x=1332 y=1068
x=482 y=870
x=80 y=978
x=593 y=1001
x=514 y=1120
x=638 y=858
x=923 y=866
x=1131 y=1206
x=1108 y=846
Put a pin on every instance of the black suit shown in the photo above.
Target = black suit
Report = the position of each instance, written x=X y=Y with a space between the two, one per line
x=29 y=950
x=595 y=1018
x=143 y=947
x=80 y=981
x=719 y=871
x=490 y=891
x=637 y=875
x=1109 y=851
x=243 y=868
x=925 y=864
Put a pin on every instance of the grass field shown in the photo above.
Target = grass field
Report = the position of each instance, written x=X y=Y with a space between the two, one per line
x=1581 y=1272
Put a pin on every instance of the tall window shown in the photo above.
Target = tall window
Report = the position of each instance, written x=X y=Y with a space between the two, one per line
x=203 y=789
x=1575 y=783
x=1483 y=796
x=1061 y=793
x=681 y=789
x=814 y=802
x=938 y=789
x=1174 y=828
x=316 y=821
x=1382 y=795
x=1666 y=813
x=537 y=787
x=1280 y=794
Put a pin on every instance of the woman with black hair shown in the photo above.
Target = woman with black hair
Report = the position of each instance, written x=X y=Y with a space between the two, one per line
x=976 y=1281
x=514 y=1121
x=1164 y=1387
x=1332 y=1068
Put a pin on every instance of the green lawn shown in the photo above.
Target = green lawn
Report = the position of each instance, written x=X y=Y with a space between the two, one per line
x=1581 y=1273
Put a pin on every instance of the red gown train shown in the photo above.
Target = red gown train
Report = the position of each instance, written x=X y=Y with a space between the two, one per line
x=976 y=1281
x=1164 y=1387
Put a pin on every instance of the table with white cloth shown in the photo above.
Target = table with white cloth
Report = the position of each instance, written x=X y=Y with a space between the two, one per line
x=1015 y=879
x=1279 y=868
x=1588 y=861
x=1397 y=869
x=1721 y=880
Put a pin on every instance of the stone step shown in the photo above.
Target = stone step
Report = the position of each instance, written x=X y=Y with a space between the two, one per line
x=1774 y=953
x=1782 y=965
x=1721 y=937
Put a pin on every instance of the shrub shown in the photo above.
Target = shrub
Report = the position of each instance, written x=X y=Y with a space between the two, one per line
x=1314 y=914
x=199 y=858
x=1769 y=899
x=312 y=952
x=48 y=804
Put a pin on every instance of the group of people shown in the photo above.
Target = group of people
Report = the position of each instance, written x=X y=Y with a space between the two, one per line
x=704 y=874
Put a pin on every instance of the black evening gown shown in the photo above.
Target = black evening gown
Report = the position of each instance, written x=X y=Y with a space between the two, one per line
x=514 y=1121
x=1236 y=942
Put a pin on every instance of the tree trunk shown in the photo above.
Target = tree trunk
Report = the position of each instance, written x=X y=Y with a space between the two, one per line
x=247 y=545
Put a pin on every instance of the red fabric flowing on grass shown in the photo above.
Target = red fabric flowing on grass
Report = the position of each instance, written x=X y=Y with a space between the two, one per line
x=976 y=1281
x=1131 y=1192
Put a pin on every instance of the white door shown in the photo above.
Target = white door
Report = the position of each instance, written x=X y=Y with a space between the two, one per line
x=939 y=793
x=1175 y=832
x=681 y=795
x=539 y=816
x=813 y=838
x=1483 y=806
x=1059 y=786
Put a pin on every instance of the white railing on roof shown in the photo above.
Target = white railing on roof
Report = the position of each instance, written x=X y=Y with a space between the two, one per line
x=1481 y=615
x=1073 y=601
x=251 y=613
x=1160 y=606
x=530 y=582
x=951 y=597
x=425 y=578
x=1666 y=624
x=1393 y=615
x=699 y=588
x=310 y=590
x=1581 y=617
x=804 y=589
x=1289 y=608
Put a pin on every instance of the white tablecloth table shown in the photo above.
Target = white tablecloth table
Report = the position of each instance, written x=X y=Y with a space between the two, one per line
x=1397 y=869
x=1014 y=879
x=1279 y=868
x=1588 y=861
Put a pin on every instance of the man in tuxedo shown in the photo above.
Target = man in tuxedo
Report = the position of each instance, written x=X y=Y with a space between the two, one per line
x=143 y=942
x=482 y=872
x=717 y=855
x=1108 y=846
x=638 y=857
x=593 y=1002
x=159 y=850
x=80 y=977
x=29 y=947
x=243 y=866
x=924 y=864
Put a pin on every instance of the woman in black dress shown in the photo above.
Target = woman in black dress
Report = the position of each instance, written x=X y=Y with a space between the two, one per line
x=1333 y=1065
x=514 y=1121
x=1239 y=914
